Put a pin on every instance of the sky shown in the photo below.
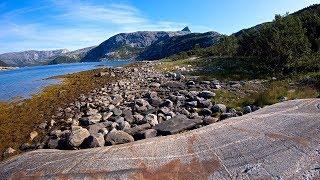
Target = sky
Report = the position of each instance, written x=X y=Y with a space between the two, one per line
x=74 y=24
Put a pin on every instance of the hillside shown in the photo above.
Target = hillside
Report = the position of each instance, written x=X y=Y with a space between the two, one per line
x=128 y=44
x=29 y=58
x=176 y=44
x=3 y=64
x=72 y=56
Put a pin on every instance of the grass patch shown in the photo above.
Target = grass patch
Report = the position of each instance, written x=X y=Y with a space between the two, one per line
x=18 y=119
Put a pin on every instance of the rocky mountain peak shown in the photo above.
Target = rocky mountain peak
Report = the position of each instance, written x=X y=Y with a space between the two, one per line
x=186 y=29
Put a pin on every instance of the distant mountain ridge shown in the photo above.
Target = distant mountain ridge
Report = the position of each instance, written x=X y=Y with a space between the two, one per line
x=177 y=44
x=72 y=56
x=3 y=64
x=129 y=44
x=29 y=58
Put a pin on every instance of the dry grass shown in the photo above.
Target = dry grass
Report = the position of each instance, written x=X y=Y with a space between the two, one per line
x=18 y=119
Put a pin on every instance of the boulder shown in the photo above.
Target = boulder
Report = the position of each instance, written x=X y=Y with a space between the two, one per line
x=138 y=128
x=33 y=135
x=149 y=133
x=207 y=94
x=167 y=103
x=205 y=112
x=210 y=120
x=176 y=124
x=152 y=119
x=77 y=136
x=247 y=109
x=8 y=152
x=93 y=141
x=95 y=128
x=118 y=137
x=117 y=112
x=219 y=108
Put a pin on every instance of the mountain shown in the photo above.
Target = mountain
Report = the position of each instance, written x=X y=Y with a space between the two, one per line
x=3 y=64
x=72 y=56
x=29 y=58
x=128 y=45
x=173 y=45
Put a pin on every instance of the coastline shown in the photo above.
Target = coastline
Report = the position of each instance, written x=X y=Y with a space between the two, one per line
x=3 y=68
x=22 y=118
x=19 y=118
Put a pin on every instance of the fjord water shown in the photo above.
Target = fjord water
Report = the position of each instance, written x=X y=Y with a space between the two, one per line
x=25 y=81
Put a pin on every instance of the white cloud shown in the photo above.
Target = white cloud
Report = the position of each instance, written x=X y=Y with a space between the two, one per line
x=114 y=13
x=82 y=24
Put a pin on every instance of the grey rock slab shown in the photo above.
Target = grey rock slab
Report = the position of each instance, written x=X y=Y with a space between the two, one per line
x=176 y=124
x=276 y=142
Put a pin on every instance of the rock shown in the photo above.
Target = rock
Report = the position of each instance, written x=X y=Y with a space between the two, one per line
x=216 y=86
x=138 y=128
x=104 y=131
x=77 y=136
x=176 y=124
x=219 y=108
x=185 y=112
x=283 y=98
x=205 y=112
x=167 y=103
x=106 y=116
x=210 y=120
x=55 y=133
x=192 y=104
x=164 y=110
x=227 y=115
x=8 y=152
x=190 y=83
x=118 y=137
x=116 y=99
x=149 y=133
x=205 y=82
x=86 y=121
x=151 y=94
x=53 y=143
x=207 y=94
x=152 y=119
x=155 y=85
x=247 y=109
x=33 y=135
x=90 y=112
x=141 y=102
x=26 y=147
x=95 y=128
x=43 y=126
x=138 y=118
x=117 y=112
x=204 y=103
x=93 y=141
x=155 y=101
x=124 y=125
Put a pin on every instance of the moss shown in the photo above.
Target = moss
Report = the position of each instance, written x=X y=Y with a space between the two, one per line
x=19 y=118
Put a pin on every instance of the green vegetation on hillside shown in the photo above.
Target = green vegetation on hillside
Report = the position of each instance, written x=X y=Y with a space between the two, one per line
x=290 y=45
x=64 y=59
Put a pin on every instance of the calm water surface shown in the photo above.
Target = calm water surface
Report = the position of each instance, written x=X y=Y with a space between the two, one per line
x=25 y=81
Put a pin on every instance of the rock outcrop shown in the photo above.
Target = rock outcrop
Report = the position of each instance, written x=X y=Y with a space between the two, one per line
x=176 y=44
x=128 y=44
x=277 y=142
x=29 y=58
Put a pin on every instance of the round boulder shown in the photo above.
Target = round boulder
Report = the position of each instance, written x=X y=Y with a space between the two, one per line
x=118 y=137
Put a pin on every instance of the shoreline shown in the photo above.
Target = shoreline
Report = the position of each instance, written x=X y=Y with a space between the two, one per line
x=102 y=97
x=2 y=68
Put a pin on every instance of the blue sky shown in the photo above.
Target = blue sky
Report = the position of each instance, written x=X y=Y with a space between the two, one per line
x=73 y=24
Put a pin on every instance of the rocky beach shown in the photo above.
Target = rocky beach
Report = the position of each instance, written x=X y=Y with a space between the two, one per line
x=143 y=103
